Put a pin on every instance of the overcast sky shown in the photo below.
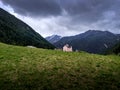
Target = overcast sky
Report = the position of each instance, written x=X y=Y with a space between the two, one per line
x=66 y=17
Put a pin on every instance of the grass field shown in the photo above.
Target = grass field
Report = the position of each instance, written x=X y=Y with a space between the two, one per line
x=23 y=68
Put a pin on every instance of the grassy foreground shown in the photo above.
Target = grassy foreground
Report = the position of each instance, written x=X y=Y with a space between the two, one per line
x=23 y=68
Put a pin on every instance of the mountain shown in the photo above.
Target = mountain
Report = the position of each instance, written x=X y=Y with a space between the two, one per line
x=115 y=49
x=53 y=39
x=92 y=41
x=14 y=31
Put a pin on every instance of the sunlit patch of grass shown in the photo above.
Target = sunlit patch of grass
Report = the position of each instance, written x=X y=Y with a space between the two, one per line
x=23 y=68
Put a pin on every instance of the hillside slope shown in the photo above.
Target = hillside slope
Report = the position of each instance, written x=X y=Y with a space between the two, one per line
x=13 y=31
x=23 y=68
x=92 y=41
x=115 y=49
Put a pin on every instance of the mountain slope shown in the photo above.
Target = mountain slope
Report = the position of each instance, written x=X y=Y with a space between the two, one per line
x=91 y=41
x=53 y=39
x=115 y=49
x=14 y=31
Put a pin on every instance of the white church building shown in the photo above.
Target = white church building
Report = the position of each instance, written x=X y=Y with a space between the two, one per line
x=67 y=48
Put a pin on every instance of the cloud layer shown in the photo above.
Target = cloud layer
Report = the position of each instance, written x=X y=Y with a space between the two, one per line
x=71 y=15
x=34 y=7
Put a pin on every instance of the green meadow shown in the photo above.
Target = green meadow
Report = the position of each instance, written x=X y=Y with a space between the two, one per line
x=23 y=68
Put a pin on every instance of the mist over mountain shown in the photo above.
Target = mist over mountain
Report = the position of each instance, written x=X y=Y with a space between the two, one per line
x=92 y=41
x=14 y=31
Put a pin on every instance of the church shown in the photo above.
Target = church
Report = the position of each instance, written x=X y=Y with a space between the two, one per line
x=67 y=48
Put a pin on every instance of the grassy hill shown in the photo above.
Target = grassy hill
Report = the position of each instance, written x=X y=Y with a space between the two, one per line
x=23 y=68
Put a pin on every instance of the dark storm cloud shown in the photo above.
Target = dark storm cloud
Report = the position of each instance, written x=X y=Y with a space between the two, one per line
x=34 y=7
x=86 y=9
x=100 y=14
x=90 y=10
x=97 y=14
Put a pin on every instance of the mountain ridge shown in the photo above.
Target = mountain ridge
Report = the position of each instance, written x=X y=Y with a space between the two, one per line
x=53 y=38
x=92 y=41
